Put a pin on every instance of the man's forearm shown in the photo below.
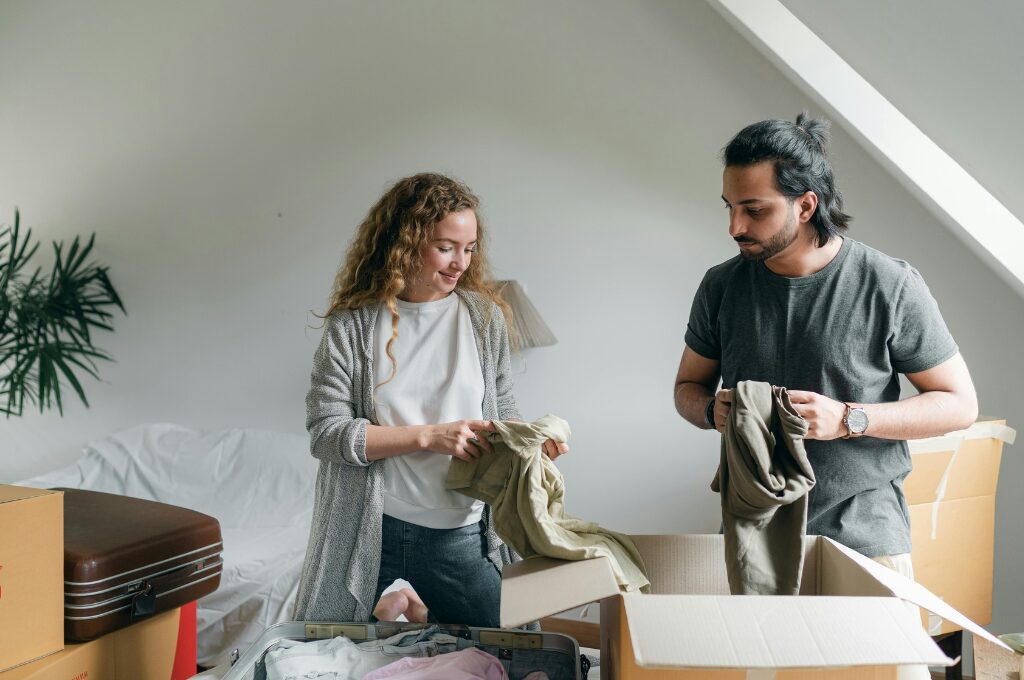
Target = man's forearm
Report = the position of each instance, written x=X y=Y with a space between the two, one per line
x=692 y=402
x=925 y=415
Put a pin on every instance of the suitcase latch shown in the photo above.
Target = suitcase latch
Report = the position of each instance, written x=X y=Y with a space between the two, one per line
x=511 y=639
x=324 y=631
x=143 y=602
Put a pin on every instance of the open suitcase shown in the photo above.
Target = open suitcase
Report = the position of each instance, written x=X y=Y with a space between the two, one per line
x=126 y=559
x=520 y=652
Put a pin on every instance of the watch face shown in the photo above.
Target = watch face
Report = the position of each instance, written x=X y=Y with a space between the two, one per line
x=857 y=420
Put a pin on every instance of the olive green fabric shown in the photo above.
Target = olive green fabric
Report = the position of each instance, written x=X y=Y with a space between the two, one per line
x=526 y=493
x=764 y=478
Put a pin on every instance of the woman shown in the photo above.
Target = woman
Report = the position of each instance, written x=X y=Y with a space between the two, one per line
x=412 y=367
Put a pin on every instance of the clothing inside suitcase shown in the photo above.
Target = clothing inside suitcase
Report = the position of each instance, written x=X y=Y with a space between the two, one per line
x=520 y=652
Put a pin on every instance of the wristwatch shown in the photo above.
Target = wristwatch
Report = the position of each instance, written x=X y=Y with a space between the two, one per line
x=856 y=421
x=709 y=413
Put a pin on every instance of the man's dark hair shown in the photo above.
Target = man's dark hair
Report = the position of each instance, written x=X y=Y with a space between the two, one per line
x=798 y=153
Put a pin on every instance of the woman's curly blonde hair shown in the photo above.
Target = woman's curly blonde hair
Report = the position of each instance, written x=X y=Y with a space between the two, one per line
x=386 y=251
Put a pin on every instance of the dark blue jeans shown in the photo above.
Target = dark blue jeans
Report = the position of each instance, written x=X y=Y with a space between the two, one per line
x=448 y=568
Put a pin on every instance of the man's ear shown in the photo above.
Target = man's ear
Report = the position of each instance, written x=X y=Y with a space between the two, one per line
x=808 y=204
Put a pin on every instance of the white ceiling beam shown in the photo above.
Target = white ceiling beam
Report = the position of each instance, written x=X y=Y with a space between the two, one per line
x=928 y=172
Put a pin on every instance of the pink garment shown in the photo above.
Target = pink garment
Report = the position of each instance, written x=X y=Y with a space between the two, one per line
x=467 y=664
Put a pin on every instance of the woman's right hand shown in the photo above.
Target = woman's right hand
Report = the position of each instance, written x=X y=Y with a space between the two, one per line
x=463 y=439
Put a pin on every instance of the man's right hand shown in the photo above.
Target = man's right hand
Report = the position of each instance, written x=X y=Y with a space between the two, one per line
x=723 y=402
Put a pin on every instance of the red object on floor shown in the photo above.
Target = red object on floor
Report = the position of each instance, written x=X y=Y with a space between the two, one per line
x=185 y=651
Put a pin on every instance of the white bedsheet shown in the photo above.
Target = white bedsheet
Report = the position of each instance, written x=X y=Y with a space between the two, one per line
x=258 y=484
x=257 y=590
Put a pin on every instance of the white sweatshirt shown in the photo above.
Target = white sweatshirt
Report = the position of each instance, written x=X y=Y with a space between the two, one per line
x=439 y=379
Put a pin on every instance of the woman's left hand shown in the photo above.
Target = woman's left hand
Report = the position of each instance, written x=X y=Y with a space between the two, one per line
x=553 y=449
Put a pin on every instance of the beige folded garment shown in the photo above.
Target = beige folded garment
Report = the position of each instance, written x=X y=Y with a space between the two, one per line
x=526 y=493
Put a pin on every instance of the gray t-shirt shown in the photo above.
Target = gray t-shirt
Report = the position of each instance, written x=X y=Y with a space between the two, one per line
x=846 y=331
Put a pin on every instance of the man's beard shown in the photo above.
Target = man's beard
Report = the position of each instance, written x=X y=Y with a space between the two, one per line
x=777 y=243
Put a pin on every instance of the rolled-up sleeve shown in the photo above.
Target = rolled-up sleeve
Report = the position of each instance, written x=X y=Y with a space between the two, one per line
x=920 y=339
x=335 y=433
x=701 y=330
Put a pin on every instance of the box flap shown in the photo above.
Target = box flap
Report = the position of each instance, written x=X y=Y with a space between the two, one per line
x=10 y=493
x=541 y=586
x=914 y=592
x=986 y=429
x=775 y=632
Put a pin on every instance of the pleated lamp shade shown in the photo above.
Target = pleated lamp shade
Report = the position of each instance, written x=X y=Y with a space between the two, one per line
x=530 y=328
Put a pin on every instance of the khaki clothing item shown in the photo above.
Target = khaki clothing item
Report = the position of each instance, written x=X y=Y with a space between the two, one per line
x=763 y=477
x=526 y=494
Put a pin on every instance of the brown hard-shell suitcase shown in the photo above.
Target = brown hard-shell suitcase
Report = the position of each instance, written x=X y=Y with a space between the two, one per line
x=126 y=559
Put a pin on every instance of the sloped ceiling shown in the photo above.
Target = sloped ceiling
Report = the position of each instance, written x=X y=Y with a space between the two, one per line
x=955 y=69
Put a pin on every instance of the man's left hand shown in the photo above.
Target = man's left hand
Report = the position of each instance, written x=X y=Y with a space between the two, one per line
x=824 y=416
x=553 y=449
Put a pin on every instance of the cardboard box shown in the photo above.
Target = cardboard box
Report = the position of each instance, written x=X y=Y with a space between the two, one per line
x=952 y=497
x=160 y=648
x=996 y=663
x=31 y=574
x=89 y=661
x=847 y=623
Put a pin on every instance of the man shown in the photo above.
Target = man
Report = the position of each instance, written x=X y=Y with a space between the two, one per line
x=834 y=321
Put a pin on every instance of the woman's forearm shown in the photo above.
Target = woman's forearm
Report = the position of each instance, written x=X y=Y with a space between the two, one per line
x=384 y=441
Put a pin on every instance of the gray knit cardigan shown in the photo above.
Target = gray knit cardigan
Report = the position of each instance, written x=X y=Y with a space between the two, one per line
x=339 y=575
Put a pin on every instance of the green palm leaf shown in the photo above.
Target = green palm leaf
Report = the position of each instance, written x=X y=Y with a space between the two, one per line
x=47 y=322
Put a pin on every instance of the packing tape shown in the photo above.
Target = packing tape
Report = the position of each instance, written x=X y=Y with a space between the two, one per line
x=954 y=441
x=761 y=674
x=940 y=490
x=984 y=430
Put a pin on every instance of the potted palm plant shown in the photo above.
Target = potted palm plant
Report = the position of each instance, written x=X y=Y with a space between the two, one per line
x=47 y=321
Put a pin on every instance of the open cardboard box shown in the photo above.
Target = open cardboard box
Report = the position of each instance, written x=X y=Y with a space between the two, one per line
x=851 y=621
x=951 y=493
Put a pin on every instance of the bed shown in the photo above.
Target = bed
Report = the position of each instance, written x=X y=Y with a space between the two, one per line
x=258 y=483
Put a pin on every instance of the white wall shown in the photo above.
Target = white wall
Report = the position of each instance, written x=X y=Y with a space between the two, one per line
x=224 y=152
